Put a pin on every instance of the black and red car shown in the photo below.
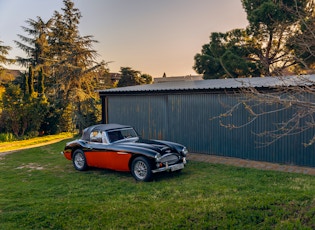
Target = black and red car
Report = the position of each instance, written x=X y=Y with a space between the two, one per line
x=119 y=147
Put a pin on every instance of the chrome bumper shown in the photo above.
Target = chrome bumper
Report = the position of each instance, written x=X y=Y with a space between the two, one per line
x=171 y=168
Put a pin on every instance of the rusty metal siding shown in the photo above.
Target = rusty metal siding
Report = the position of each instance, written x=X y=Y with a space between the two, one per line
x=186 y=118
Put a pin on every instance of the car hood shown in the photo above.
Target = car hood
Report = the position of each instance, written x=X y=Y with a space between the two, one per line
x=153 y=145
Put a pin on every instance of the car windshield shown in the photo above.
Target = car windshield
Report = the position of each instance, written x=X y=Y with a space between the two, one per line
x=121 y=134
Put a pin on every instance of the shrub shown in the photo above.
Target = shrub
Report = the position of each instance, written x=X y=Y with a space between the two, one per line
x=5 y=137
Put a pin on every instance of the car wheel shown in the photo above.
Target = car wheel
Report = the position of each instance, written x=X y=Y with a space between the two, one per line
x=141 y=169
x=79 y=160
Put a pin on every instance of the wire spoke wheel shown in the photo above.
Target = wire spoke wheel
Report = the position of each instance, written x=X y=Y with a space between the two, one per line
x=141 y=169
x=79 y=160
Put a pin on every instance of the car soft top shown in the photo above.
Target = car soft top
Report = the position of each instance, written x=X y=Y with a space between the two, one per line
x=104 y=127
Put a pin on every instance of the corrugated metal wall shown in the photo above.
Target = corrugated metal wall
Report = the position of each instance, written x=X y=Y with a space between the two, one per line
x=186 y=118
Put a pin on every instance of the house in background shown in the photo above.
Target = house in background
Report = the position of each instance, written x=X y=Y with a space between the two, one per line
x=178 y=78
x=8 y=75
x=181 y=111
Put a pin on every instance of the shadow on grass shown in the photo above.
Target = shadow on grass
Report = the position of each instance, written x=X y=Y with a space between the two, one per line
x=162 y=176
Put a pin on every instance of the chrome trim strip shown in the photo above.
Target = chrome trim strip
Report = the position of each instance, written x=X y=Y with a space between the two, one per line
x=122 y=153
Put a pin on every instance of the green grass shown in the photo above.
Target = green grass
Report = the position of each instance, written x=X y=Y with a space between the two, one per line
x=39 y=189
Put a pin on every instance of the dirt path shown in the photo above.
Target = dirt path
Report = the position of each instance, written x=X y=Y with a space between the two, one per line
x=3 y=153
x=251 y=164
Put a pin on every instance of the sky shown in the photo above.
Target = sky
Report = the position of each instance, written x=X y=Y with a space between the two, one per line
x=150 y=36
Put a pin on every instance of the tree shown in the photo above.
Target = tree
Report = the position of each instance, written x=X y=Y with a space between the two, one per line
x=36 y=45
x=23 y=112
x=146 y=78
x=259 y=50
x=4 y=50
x=73 y=62
x=226 y=56
x=303 y=43
x=296 y=95
x=12 y=112
x=103 y=78
x=62 y=64
x=270 y=27
x=130 y=77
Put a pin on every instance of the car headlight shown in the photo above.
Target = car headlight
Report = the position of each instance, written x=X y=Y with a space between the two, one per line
x=157 y=156
x=184 y=151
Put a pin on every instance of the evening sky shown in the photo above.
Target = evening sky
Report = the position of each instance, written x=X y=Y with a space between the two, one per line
x=151 y=36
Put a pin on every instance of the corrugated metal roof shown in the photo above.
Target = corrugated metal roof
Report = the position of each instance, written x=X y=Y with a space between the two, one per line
x=218 y=84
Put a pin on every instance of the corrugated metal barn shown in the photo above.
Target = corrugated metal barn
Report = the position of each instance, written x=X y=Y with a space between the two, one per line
x=182 y=112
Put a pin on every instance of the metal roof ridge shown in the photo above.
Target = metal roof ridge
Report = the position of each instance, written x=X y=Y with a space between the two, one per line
x=228 y=83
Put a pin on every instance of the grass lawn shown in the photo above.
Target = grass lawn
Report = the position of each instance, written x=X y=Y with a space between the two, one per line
x=39 y=189
x=15 y=145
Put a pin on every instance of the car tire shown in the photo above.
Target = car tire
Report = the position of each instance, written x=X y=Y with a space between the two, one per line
x=79 y=160
x=141 y=169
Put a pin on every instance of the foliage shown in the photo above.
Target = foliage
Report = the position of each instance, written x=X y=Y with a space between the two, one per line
x=12 y=113
x=62 y=70
x=36 y=46
x=262 y=49
x=6 y=137
x=295 y=95
x=303 y=43
x=103 y=78
x=22 y=114
x=130 y=77
x=146 y=78
x=4 y=50
x=4 y=75
x=39 y=189
x=224 y=56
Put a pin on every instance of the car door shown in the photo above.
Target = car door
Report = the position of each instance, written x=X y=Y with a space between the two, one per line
x=99 y=153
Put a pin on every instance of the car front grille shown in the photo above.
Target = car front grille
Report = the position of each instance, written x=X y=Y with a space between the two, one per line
x=169 y=158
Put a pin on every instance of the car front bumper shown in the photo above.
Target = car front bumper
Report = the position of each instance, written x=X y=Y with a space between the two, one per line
x=174 y=167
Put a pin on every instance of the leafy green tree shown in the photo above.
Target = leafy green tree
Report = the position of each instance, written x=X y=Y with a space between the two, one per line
x=22 y=114
x=74 y=62
x=130 y=77
x=12 y=113
x=62 y=64
x=35 y=45
x=4 y=51
x=103 y=78
x=146 y=78
x=298 y=39
x=270 y=27
x=41 y=85
x=226 y=56
x=259 y=50
x=303 y=43
x=30 y=82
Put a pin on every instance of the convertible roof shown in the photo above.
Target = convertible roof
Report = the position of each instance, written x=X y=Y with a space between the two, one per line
x=106 y=127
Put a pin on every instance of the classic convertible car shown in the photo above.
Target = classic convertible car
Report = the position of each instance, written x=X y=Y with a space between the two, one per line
x=119 y=147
